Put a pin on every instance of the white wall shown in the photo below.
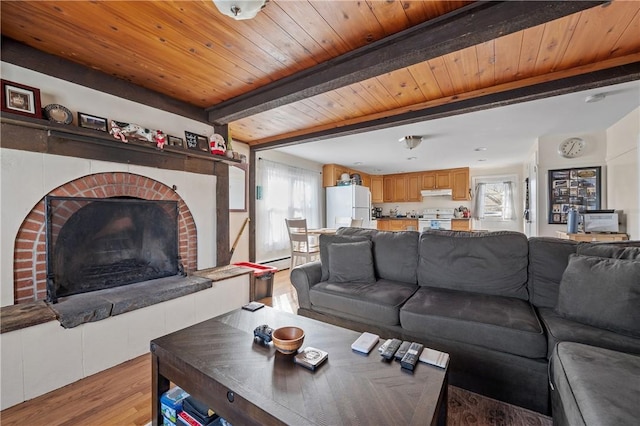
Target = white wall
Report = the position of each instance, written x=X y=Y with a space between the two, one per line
x=623 y=178
x=39 y=359
x=549 y=159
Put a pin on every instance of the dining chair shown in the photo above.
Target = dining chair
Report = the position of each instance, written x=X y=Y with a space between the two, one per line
x=302 y=246
x=356 y=223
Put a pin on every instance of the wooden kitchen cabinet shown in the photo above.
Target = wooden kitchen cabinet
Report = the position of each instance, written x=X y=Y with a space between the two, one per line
x=387 y=184
x=399 y=188
x=413 y=187
x=402 y=224
x=460 y=184
x=437 y=179
x=383 y=224
x=331 y=173
x=377 y=189
x=461 y=224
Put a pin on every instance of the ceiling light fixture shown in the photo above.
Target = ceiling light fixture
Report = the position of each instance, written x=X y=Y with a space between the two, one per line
x=595 y=98
x=411 y=142
x=240 y=9
x=480 y=148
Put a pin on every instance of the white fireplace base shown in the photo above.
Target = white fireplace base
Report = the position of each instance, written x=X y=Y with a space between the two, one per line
x=39 y=359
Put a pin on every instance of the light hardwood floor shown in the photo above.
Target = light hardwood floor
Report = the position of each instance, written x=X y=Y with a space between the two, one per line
x=122 y=395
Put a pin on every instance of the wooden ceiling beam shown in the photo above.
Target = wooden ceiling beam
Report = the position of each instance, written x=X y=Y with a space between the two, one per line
x=471 y=25
x=601 y=78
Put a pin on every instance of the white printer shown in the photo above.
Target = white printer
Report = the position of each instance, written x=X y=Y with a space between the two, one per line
x=600 y=221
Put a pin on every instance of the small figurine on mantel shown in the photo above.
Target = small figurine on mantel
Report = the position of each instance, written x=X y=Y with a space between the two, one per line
x=160 y=138
x=217 y=144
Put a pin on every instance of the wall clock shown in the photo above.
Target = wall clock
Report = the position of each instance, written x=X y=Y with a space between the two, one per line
x=572 y=147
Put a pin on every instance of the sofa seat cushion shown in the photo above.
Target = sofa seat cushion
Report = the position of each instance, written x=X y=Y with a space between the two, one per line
x=491 y=263
x=561 y=329
x=379 y=302
x=503 y=324
x=595 y=385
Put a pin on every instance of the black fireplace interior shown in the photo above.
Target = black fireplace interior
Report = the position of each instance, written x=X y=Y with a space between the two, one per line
x=108 y=242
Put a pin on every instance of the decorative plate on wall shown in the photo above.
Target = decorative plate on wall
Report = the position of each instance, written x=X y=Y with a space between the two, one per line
x=58 y=114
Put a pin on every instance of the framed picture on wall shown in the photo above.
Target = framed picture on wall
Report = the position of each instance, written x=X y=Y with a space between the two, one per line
x=20 y=99
x=578 y=188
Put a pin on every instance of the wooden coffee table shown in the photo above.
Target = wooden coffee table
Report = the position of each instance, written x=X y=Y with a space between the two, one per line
x=219 y=363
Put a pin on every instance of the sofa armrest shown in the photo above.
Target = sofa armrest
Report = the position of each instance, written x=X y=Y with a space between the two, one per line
x=303 y=277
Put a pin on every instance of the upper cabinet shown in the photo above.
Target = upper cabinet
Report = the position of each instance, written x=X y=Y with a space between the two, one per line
x=413 y=187
x=460 y=184
x=437 y=179
x=388 y=186
x=404 y=187
x=331 y=174
x=377 y=189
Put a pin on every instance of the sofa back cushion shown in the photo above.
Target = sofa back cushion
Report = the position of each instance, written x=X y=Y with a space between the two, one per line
x=326 y=240
x=548 y=258
x=602 y=292
x=395 y=253
x=351 y=263
x=488 y=263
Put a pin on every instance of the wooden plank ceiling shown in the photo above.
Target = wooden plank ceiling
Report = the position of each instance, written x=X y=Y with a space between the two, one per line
x=189 y=51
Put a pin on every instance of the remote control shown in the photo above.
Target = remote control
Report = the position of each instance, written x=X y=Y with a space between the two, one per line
x=384 y=345
x=410 y=359
x=365 y=342
x=391 y=349
x=402 y=350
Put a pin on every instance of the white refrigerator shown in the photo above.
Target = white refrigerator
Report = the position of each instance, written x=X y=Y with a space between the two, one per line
x=352 y=201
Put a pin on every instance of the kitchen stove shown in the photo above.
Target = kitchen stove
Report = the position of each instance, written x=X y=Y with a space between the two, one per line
x=435 y=219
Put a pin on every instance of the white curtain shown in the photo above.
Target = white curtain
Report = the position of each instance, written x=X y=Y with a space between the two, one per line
x=508 y=211
x=282 y=192
x=478 y=202
x=508 y=204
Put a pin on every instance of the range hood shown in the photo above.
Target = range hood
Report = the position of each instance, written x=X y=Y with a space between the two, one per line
x=436 y=192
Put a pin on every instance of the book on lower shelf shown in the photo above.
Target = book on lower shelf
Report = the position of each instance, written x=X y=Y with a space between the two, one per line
x=310 y=357
x=434 y=357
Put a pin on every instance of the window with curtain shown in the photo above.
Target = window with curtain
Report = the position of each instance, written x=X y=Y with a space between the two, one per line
x=494 y=198
x=283 y=191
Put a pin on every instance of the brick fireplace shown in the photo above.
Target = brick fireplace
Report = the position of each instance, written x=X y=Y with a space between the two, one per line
x=30 y=269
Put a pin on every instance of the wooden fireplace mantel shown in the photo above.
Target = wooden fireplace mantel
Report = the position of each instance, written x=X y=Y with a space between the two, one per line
x=39 y=135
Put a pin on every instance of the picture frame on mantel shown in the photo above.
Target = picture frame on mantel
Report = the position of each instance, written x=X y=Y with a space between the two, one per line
x=92 y=122
x=196 y=142
x=21 y=99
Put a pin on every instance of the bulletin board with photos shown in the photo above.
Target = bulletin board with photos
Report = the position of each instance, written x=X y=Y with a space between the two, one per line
x=577 y=188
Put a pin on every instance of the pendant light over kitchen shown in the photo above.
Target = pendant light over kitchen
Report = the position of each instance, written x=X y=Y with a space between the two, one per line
x=410 y=142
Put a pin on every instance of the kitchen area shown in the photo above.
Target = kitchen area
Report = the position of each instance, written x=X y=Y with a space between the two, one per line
x=437 y=199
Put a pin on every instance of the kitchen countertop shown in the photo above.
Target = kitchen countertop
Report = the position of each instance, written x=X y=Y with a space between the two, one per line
x=398 y=218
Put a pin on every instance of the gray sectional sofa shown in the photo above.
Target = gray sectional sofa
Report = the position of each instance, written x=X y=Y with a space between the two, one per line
x=497 y=302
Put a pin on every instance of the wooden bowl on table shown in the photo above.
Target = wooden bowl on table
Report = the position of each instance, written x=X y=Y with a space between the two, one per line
x=288 y=340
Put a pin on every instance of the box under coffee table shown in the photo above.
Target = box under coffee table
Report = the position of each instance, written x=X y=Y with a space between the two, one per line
x=246 y=382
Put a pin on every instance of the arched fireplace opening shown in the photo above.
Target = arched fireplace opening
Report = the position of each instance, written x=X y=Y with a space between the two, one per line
x=99 y=243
